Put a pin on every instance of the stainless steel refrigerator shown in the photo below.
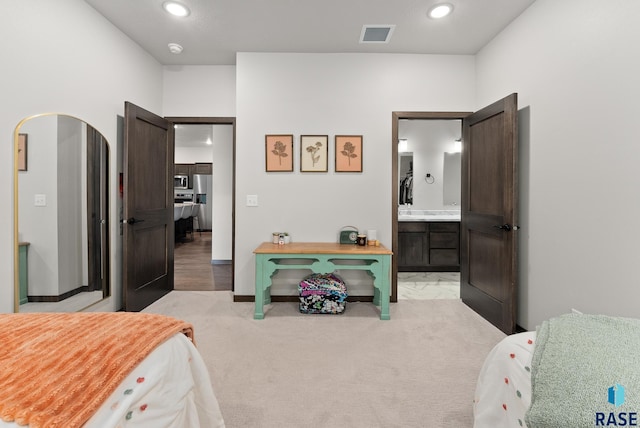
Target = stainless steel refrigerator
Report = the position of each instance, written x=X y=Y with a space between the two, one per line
x=203 y=195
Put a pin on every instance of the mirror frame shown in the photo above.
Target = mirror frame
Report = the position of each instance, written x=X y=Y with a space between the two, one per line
x=16 y=262
x=16 y=243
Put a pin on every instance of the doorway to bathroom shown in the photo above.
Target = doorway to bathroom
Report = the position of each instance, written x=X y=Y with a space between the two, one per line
x=488 y=229
x=428 y=223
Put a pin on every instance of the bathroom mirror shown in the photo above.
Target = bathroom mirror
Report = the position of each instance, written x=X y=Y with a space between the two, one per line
x=61 y=228
x=405 y=170
x=451 y=178
x=429 y=159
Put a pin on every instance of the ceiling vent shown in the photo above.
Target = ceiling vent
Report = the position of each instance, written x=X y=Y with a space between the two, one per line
x=376 y=33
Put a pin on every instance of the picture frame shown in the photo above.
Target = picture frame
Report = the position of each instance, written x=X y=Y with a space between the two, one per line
x=22 y=152
x=278 y=152
x=314 y=153
x=348 y=153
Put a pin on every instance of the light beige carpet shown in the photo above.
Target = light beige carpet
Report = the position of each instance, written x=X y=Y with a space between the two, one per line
x=352 y=370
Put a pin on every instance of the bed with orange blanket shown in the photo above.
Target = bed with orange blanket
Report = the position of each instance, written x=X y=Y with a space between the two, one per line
x=102 y=370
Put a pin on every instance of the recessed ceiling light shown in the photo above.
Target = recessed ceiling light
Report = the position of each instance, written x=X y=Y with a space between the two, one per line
x=176 y=9
x=440 y=10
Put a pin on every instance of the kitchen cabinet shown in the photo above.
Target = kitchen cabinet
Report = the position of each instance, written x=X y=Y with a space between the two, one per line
x=428 y=246
x=184 y=169
x=203 y=168
x=189 y=169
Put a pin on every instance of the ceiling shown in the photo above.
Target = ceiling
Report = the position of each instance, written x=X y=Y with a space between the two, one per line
x=217 y=29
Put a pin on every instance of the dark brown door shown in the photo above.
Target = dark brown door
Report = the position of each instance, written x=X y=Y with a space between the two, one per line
x=488 y=269
x=148 y=208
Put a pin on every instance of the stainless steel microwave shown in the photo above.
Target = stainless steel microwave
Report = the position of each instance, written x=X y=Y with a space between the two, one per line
x=181 y=182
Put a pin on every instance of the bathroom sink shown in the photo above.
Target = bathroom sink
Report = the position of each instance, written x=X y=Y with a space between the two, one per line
x=428 y=215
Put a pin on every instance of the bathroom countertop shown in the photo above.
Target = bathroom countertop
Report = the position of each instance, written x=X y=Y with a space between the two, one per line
x=428 y=215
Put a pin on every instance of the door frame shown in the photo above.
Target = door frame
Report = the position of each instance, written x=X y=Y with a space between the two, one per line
x=396 y=116
x=187 y=120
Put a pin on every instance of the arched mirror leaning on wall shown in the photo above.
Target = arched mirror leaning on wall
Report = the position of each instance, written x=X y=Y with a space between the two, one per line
x=61 y=214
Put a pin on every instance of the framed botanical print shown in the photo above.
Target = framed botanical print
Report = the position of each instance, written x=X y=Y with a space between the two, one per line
x=348 y=153
x=279 y=153
x=314 y=150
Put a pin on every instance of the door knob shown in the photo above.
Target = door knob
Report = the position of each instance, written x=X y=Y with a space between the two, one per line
x=505 y=227
x=131 y=221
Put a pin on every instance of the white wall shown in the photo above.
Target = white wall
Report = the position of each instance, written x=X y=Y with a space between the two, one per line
x=194 y=154
x=222 y=238
x=575 y=67
x=329 y=94
x=199 y=90
x=67 y=59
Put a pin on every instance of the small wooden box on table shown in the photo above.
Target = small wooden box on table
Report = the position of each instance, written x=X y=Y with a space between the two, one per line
x=319 y=257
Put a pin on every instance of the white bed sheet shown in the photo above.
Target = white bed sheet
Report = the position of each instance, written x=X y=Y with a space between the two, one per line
x=170 y=388
x=503 y=390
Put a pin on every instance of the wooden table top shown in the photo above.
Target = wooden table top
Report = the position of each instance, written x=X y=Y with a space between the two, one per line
x=320 y=248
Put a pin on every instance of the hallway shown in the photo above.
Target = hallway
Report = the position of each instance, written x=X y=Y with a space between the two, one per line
x=193 y=270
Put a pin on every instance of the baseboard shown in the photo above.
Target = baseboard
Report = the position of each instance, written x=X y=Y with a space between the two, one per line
x=60 y=297
x=246 y=298
x=448 y=268
x=220 y=262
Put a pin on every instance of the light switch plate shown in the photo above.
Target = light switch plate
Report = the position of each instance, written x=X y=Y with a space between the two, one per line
x=40 y=200
x=252 y=200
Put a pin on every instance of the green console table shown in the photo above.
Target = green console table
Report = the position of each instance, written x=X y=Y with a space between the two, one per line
x=319 y=257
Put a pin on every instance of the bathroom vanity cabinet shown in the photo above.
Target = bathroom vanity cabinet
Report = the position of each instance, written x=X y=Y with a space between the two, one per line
x=425 y=246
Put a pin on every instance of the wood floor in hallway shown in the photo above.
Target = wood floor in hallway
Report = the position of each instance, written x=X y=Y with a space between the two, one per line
x=193 y=270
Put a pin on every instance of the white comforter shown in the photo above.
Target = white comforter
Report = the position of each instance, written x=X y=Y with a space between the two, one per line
x=170 y=388
x=503 y=391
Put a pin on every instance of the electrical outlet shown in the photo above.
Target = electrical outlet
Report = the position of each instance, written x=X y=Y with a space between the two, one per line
x=252 y=200
x=40 y=200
